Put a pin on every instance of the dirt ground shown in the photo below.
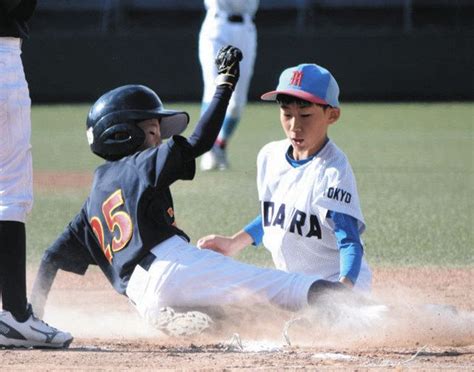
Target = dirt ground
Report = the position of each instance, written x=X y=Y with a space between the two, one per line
x=109 y=335
x=427 y=324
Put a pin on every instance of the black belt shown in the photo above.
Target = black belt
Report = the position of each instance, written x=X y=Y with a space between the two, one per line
x=235 y=18
x=146 y=261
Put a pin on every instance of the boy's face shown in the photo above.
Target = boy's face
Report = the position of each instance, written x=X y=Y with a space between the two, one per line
x=306 y=126
x=151 y=127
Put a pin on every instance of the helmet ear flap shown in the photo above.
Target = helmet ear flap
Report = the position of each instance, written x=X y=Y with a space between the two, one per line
x=116 y=141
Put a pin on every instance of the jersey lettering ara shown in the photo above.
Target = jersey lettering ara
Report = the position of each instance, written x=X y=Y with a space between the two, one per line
x=299 y=223
x=119 y=227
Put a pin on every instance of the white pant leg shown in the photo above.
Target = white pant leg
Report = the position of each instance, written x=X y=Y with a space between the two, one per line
x=215 y=33
x=185 y=276
x=16 y=186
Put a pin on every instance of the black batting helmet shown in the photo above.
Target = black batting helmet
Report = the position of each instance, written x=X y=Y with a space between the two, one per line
x=111 y=124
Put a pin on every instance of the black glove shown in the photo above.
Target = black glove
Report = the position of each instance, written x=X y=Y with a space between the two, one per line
x=227 y=62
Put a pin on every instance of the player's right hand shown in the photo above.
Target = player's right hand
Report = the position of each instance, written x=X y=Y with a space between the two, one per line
x=227 y=61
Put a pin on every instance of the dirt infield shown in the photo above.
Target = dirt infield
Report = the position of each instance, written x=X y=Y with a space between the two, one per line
x=110 y=336
x=45 y=180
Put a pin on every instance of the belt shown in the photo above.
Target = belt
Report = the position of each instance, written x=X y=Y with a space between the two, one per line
x=146 y=261
x=235 y=18
x=166 y=245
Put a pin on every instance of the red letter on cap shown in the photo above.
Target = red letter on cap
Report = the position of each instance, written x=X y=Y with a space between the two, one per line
x=296 y=78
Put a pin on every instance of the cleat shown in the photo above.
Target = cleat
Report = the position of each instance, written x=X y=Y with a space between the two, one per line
x=33 y=333
x=180 y=324
x=216 y=159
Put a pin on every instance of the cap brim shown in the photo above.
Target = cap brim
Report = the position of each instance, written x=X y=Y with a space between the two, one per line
x=271 y=96
x=172 y=123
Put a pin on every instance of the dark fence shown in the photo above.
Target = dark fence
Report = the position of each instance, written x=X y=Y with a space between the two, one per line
x=75 y=54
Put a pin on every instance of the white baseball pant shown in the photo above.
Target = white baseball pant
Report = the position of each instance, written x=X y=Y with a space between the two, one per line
x=16 y=182
x=183 y=275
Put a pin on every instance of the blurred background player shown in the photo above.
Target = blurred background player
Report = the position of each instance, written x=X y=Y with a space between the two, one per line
x=18 y=326
x=227 y=22
x=310 y=218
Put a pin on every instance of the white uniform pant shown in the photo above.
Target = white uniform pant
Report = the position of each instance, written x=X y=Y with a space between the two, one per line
x=183 y=275
x=215 y=33
x=16 y=186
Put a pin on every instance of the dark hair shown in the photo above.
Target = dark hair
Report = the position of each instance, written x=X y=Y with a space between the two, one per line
x=286 y=99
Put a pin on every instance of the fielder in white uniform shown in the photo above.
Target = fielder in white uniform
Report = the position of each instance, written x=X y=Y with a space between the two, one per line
x=227 y=22
x=311 y=218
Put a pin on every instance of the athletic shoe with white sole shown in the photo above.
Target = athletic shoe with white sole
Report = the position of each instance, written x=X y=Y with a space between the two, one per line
x=178 y=324
x=33 y=333
x=214 y=159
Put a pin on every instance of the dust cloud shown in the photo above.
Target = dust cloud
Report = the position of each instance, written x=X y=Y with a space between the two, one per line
x=408 y=307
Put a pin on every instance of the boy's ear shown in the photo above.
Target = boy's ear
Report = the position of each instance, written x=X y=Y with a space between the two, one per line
x=334 y=114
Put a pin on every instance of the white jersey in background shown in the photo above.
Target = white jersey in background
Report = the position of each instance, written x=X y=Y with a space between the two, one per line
x=233 y=6
x=222 y=26
x=295 y=203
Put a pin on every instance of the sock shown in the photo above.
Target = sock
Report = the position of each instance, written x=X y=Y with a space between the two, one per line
x=221 y=143
x=13 y=268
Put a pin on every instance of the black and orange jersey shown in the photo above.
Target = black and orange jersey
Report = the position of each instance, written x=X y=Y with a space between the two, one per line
x=130 y=208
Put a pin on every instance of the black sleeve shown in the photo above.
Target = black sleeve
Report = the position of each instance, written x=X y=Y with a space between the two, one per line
x=210 y=123
x=163 y=165
x=66 y=253
x=42 y=286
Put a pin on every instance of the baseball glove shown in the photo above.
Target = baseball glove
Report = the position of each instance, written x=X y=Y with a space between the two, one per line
x=227 y=61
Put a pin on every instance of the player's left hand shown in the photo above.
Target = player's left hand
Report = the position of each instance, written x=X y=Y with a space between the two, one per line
x=346 y=281
x=228 y=66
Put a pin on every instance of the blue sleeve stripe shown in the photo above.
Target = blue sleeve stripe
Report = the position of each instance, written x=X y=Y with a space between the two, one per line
x=255 y=230
x=350 y=247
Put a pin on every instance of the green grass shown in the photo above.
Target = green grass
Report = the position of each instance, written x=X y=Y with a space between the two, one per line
x=413 y=164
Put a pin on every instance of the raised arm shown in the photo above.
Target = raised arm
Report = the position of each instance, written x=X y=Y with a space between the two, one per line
x=209 y=125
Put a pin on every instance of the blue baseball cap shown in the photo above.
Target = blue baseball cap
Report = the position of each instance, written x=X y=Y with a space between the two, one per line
x=307 y=81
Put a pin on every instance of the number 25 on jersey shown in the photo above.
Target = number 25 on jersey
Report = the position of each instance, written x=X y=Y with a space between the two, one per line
x=119 y=226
